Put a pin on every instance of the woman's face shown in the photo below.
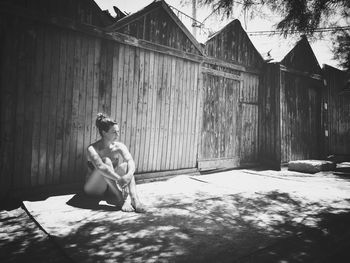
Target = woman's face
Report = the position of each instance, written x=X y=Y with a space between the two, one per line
x=112 y=134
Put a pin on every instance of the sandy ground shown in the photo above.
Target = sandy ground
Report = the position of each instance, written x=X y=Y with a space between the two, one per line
x=232 y=216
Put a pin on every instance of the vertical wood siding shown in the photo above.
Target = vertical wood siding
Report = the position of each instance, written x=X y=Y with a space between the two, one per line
x=300 y=117
x=221 y=123
x=156 y=26
x=229 y=136
x=269 y=117
x=249 y=118
x=233 y=44
x=8 y=102
x=338 y=111
x=54 y=81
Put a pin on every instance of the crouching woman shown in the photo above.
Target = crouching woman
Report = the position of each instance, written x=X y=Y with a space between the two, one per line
x=106 y=173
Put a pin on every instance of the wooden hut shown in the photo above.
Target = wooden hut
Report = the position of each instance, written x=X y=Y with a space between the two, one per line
x=231 y=82
x=180 y=107
x=291 y=108
x=164 y=131
x=57 y=73
x=337 y=111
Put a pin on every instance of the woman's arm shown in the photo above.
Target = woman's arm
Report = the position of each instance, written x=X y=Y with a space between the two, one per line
x=128 y=159
x=105 y=169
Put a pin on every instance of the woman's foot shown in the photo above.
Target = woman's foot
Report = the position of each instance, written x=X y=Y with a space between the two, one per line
x=139 y=208
x=127 y=207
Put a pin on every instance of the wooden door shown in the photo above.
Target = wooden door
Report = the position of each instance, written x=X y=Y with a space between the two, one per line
x=300 y=118
x=249 y=113
x=219 y=146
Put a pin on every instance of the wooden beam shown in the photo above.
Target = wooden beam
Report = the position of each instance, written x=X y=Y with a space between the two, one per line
x=207 y=164
x=231 y=65
x=249 y=102
x=221 y=74
x=278 y=111
x=298 y=72
x=156 y=176
x=129 y=40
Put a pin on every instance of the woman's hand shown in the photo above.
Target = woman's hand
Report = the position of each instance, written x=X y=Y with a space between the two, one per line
x=124 y=180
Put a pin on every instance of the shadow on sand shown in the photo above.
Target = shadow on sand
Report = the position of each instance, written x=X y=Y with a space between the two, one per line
x=81 y=200
x=233 y=228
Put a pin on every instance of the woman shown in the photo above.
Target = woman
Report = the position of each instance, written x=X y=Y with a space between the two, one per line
x=106 y=173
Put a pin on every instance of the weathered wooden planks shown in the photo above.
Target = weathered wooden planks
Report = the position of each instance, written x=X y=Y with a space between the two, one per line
x=249 y=118
x=232 y=44
x=269 y=117
x=300 y=117
x=19 y=89
x=221 y=123
x=8 y=102
x=158 y=24
x=66 y=170
x=290 y=122
x=158 y=97
x=337 y=112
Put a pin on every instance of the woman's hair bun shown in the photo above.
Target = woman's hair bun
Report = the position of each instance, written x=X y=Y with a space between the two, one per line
x=100 y=116
x=103 y=122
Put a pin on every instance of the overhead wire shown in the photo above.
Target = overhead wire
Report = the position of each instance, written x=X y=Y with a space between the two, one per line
x=179 y=11
x=202 y=28
x=317 y=30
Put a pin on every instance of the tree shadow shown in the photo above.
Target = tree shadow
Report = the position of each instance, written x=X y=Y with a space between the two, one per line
x=22 y=241
x=265 y=227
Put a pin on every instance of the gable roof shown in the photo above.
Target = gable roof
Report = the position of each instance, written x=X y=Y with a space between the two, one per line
x=341 y=78
x=233 y=22
x=302 y=57
x=233 y=43
x=150 y=8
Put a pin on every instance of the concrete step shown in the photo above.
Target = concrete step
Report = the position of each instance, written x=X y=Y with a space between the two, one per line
x=311 y=166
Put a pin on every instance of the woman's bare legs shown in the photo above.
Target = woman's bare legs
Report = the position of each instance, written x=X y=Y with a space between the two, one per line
x=97 y=185
x=132 y=203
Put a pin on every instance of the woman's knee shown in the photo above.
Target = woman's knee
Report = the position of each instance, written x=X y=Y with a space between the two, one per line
x=95 y=190
x=122 y=169
x=95 y=184
x=87 y=188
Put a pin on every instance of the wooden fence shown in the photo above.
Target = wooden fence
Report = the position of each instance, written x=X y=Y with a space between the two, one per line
x=54 y=80
x=178 y=111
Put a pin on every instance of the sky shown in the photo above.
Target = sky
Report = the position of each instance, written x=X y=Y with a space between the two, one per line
x=277 y=45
